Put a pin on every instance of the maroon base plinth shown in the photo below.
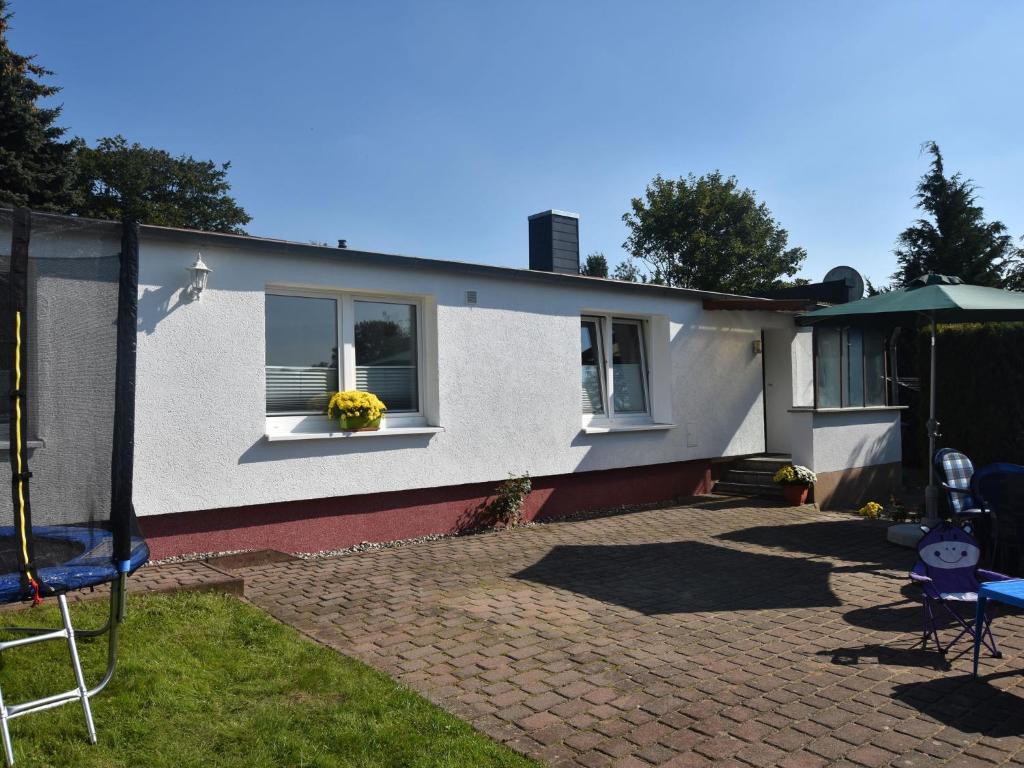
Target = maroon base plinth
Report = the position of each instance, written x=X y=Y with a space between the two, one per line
x=315 y=525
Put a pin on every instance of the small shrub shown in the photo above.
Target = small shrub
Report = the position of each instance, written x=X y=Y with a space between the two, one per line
x=507 y=505
x=872 y=510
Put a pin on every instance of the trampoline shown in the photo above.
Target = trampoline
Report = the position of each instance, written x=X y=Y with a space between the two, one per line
x=67 y=351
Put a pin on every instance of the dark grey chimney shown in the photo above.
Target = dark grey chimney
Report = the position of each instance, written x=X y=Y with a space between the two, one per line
x=555 y=242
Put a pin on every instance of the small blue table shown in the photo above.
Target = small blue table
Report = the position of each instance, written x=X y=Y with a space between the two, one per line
x=1010 y=592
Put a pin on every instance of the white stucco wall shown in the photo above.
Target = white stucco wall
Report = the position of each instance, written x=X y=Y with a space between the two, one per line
x=801 y=438
x=843 y=440
x=502 y=380
x=829 y=441
x=507 y=384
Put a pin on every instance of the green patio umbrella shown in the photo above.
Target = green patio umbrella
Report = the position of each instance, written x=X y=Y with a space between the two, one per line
x=934 y=299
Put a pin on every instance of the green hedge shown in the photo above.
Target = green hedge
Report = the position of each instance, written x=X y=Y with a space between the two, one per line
x=980 y=405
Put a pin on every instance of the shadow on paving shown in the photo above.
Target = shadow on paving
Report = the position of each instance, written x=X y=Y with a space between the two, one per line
x=967 y=704
x=907 y=614
x=899 y=615
x=721 y=503
x=917 y=656
x=855 y=540
x=683 y=577
x=904 y=615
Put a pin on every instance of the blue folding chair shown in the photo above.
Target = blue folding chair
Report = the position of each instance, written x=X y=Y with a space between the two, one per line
x=1000 y=488
x=955 y=471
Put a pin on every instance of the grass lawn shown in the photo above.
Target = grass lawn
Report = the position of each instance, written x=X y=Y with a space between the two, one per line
x=207 y=680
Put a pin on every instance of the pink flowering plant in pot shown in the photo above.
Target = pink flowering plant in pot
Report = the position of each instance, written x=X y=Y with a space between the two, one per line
x=796 y=482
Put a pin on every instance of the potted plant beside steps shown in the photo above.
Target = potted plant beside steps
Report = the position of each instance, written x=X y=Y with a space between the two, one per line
x=796 y=482
x=356 y=411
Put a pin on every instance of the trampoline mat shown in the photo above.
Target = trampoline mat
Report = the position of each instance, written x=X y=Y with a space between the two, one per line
x=48 y=552
x=66 y=557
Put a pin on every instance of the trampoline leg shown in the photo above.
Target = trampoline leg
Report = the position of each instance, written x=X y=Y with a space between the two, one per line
x=5 y=732
x=65 y=615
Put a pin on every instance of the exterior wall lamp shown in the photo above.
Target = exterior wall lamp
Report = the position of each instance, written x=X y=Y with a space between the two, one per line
x=199 y=273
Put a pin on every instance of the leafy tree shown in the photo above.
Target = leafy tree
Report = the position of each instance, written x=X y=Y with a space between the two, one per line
x=118 y=180
x=381 y=340
x=627 y=270
x=955 y=239
x=596 y=265
x=705 y=232
x=35 y=164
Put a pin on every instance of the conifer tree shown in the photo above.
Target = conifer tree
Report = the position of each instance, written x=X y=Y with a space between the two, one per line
x=35 y=161
x=955 y=239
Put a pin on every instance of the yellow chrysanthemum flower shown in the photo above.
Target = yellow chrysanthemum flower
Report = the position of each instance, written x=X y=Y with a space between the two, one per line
x=355 y=404
x=872 y=510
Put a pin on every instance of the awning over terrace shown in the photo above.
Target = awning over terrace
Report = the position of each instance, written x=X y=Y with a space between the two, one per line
x=932 y=299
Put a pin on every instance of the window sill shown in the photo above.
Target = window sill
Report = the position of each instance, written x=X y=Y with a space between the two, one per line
x=319 y=427
x=601 y=429
x=274 y=437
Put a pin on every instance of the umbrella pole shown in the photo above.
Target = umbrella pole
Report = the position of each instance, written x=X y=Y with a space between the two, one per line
x=931 y=493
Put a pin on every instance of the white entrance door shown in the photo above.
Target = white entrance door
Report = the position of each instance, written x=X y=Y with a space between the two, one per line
x=778 y=389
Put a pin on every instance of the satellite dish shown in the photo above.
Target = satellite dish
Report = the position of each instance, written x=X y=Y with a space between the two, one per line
x=850 y=276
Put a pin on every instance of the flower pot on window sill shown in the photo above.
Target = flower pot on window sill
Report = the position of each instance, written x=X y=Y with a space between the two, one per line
x=795 y=495
x=358 y=423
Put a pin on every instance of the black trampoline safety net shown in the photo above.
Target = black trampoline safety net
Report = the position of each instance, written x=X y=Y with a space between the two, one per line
x=68 y=293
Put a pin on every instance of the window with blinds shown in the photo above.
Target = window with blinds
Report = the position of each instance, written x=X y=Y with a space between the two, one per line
x=386 y=353
x=592 y=366
x=302 y=353
x=613 y=368
x=380 y=351
x=629 y=370
x=850 y=367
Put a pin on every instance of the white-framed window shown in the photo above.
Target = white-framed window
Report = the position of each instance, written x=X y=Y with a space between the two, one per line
x=615 y=379
x=318 y=343
x=849 y=367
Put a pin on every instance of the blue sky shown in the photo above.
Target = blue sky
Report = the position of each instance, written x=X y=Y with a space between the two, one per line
x=435 y=129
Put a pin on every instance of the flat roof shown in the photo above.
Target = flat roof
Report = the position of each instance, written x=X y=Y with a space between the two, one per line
x=553 y=212
x=739 y=303
x=203 y=239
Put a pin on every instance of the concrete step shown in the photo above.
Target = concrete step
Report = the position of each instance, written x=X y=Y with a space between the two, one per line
x=752 y=477
x=771 y=491
x=764 y=463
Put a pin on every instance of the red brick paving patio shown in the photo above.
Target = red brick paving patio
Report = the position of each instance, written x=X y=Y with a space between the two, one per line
x=721 y=633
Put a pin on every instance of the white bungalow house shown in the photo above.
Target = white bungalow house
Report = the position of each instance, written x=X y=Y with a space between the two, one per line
x=605 y=392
